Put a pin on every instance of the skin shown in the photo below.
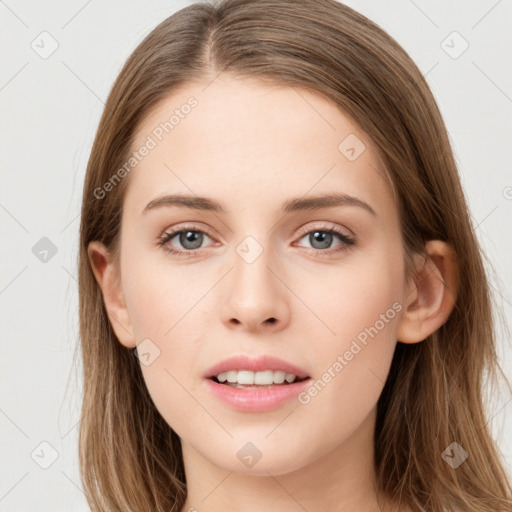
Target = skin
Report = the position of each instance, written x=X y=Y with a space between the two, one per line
x=253 y=146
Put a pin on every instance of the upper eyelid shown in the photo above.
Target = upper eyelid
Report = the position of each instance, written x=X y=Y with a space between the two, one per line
x=171 y=233
x=327 y=225
x=191 y=227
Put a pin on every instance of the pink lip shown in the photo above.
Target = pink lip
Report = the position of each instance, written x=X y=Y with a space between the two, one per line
x=258 y=364
x=255 y=399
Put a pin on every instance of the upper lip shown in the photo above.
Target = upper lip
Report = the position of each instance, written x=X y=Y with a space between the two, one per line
x=255 y=364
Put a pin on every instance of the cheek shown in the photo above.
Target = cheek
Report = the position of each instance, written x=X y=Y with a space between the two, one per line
x=167 y=311
x=361 y=308
x=160 y=294
x=353 y=295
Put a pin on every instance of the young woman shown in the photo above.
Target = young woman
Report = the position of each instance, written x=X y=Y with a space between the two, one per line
x=283 y=304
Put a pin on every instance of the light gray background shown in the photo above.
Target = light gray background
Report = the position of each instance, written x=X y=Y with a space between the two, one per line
x=50 y=111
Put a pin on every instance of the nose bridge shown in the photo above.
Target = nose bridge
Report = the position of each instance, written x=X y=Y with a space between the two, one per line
x=252 y=260
x=255 y=293
x=255 y=250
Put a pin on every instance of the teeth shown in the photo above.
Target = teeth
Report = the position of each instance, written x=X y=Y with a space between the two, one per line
x=264 y=378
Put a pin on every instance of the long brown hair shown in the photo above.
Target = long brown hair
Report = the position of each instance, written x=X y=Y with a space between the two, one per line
x=130 y=458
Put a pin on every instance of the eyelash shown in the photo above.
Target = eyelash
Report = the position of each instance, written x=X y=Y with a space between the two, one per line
x=348 y=242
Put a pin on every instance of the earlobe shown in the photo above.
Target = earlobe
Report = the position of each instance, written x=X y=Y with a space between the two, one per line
x=107 y=276
x=432 y=295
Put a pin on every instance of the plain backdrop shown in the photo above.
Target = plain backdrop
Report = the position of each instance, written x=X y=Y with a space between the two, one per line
x=50 y=108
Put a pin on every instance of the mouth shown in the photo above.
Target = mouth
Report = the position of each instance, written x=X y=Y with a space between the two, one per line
x=261 y=371
x=255 y=392
x=247 y=379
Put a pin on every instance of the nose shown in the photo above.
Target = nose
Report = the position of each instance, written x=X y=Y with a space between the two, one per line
x=256 y=297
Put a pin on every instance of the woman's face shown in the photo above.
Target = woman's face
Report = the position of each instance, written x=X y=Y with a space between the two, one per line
x=264 y=275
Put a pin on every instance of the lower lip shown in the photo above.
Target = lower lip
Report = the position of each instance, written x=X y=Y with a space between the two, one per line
x=256 y=399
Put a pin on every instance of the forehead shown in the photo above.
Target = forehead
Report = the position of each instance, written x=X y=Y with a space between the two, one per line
x=247 y=143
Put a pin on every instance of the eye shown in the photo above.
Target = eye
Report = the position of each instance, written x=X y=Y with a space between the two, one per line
x=321 y=238
x=191 y=239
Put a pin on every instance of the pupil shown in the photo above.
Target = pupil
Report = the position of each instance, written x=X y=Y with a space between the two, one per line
x=322 y=237
x=191 y=237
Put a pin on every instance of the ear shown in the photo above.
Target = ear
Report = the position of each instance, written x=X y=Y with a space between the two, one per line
x=108 y=277
x=431 y=293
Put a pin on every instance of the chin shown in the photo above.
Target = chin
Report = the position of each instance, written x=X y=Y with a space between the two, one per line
x=251 y=460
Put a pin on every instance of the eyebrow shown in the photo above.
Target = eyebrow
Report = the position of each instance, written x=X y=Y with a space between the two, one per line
x=311 y=203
